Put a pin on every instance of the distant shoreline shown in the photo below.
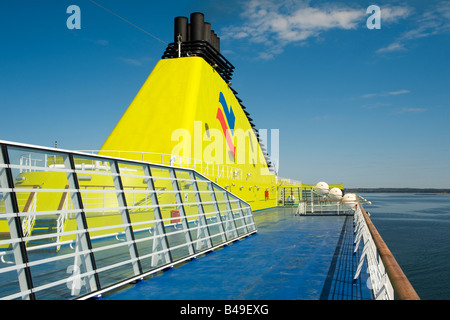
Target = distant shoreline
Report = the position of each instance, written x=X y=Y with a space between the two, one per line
x=399 y=190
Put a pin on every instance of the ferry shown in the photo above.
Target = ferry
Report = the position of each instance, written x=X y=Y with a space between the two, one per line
x=184 y=172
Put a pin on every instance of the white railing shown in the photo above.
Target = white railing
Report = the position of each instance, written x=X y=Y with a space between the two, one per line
x=306 y=207
x=61 y=220
x=206 y=168
x=117 y=221
x=379 y=280
x=28 y=221
x=287 y=182
x=27 y=224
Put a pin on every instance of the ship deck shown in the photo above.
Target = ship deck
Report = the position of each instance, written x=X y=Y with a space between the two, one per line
x=290 y=258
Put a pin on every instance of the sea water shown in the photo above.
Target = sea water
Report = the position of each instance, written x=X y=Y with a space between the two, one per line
x=416 y=228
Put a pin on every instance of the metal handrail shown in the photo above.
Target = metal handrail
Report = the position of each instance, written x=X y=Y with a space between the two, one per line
x=179 y=162
x=402 y=287
x=322 y=206
x=379 y=281
x=230 y=216
x=205 y=50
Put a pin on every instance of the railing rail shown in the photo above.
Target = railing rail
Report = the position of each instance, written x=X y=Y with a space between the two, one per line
x=386 y=279
x=304 y=207
x=378 y=280
x=104 y=221
x=206 y=168
x=400 y=283
x=205 y=50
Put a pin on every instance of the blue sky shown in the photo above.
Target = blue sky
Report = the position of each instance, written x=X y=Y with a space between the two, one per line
x=367 y=108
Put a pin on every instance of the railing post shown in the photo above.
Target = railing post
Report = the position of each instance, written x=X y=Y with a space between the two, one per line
x=203 y=226
x=217 y=210
x=249 y=220
x=160 y=238
x=244 y=222
x=123 y=211
x=230 y=225
x=15 y=227
x=180 y=205
x=402 y=287
x=83 y=242
x=80 y=256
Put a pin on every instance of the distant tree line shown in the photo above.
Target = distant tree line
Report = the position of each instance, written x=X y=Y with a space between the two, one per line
x=397 y=190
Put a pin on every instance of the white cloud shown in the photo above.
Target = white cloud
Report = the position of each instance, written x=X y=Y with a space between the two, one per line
x=377 y=105
x=395 y=46
x=101 y=42
x=131 y=61
x=266 y=55
x=315 y=19
x=384 y=94
x=278 y=23
x=412 y=110
x=324 y=117
x=392 y=14
x=395 y=93
x=432 y=22
x=141 y=61
x=241 y=34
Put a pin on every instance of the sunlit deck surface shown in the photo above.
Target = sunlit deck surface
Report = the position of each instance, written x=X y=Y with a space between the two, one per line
x=290 y=258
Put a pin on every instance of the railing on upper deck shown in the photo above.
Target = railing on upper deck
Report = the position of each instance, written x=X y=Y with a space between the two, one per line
x=379 y=280
x=206 y=168
x=75 y=225
x=304 y=207
x=387 y=277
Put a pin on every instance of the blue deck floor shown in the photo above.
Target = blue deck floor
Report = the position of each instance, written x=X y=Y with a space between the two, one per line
x=290 y=258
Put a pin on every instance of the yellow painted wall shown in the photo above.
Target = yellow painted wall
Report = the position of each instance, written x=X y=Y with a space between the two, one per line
x=181 y=96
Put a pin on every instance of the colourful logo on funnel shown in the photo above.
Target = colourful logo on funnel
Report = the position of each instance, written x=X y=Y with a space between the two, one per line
x=228 y=124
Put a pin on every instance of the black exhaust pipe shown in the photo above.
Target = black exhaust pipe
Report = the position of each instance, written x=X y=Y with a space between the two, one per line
x=207 y=32
x=195 y=30
x=181 y=28
x=197 y=26
x=213 y=39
